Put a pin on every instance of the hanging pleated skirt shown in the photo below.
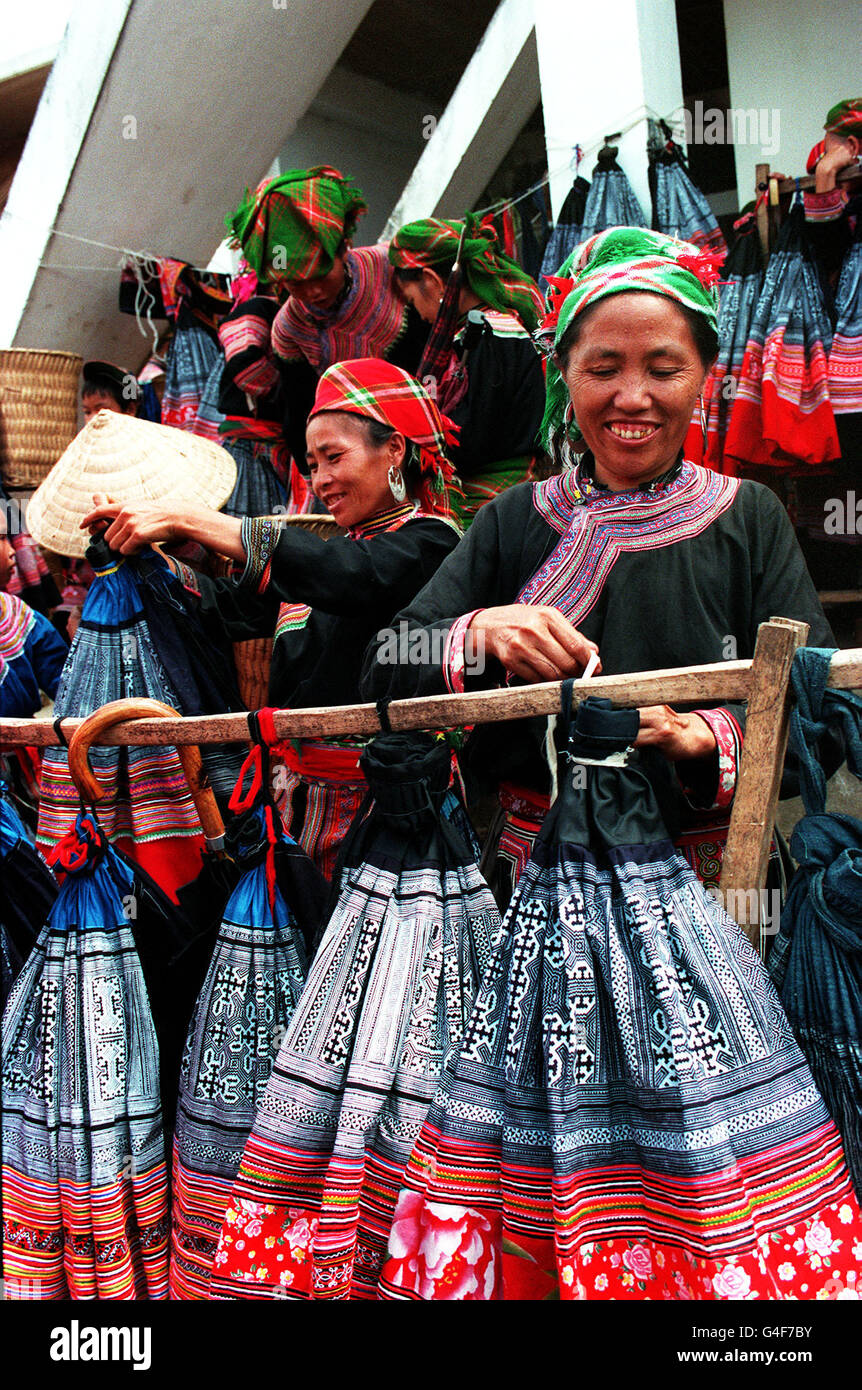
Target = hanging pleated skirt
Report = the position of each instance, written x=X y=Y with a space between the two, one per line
x=148 y=810
x=386 y=1000
x=629 y=1115
x=85 y=1189
x=248 y=997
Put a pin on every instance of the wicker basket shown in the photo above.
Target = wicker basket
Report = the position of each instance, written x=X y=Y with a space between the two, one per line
x=38 y=412
x=253 y=659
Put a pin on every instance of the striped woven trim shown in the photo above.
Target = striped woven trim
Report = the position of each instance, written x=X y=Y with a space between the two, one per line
x=17 y=620
x=292 y=617
x=606 y=525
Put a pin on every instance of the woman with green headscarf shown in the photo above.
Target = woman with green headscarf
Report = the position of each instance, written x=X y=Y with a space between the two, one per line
x=487 y=374
x=337 y=303
x=631 y=552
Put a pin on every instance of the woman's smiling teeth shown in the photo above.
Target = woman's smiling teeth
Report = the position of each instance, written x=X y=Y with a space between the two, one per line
x=632 y=431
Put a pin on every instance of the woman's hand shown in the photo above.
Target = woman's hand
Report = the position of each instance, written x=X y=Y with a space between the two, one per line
x=678 y=736
x=535 y=643
x=131 y=528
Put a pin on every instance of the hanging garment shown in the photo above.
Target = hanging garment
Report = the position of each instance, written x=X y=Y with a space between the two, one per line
x=252 y=986
x=191 y=355
x=32 y=656
x=679 y=207
x=816 y=963
x=782 y=416
x=845 y=356
x=139 y=637
x=85 y=1188
x=611 y=201
x=386 y=1000
x=628 y=1115
x=258 y=491
x=567 y=232
x=27 y=892
x=739 y=292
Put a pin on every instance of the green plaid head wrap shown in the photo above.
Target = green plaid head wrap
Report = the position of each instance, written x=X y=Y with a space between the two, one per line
x=845 y=118
x=618 y=261
x=497 y=280
x=291 y=226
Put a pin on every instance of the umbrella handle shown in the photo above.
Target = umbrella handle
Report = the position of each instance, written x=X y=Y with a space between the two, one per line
x=116 y=712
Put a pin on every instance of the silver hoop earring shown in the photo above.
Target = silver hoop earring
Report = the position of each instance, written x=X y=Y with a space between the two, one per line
x=702 y=420
x=397 y=485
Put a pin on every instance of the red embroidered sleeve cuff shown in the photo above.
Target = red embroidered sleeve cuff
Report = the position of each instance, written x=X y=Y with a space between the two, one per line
x=728 y=739
x=454 y=657
x=825 y=207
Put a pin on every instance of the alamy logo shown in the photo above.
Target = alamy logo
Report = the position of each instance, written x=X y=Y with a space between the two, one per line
x=77 y=1343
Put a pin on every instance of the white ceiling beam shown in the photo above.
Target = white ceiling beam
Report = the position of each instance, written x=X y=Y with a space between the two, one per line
x=496 y=95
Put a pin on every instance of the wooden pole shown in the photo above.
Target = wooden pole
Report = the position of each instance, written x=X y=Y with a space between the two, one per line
x=724 y=680
x=746 y=854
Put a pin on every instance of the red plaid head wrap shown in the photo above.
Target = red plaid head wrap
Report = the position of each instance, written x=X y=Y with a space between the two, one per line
x=380 y=391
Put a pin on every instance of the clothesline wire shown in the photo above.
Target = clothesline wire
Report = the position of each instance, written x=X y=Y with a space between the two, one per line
x=501 y=204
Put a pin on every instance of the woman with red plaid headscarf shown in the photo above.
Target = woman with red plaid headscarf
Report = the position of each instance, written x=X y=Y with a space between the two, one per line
x=377 y=461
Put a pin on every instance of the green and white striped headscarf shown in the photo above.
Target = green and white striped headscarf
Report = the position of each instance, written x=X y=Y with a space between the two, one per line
x=618 y=261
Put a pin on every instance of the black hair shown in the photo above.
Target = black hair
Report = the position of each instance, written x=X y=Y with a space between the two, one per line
x=102 y=386
x=703 y=333
x=410 y=273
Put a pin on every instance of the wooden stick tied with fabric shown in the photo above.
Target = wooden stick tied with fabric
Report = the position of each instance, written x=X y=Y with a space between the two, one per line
x=723 y=680
x=746 y=854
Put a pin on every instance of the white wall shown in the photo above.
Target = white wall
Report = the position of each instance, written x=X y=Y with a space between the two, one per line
x=369 y=132
x=601 y=67
x=791 y=60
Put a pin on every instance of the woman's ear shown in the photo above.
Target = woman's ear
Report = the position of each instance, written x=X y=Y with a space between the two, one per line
x=396 y=445
x=433 y=282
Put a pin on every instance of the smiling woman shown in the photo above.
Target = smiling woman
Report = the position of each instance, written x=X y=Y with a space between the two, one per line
x=631 y=552
x=377 y=456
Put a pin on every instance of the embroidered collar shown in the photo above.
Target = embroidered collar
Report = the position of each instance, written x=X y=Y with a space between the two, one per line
x=389 y=520
x=584 y=481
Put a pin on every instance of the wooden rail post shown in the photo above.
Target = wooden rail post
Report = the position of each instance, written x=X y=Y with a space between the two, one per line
x=746 y=854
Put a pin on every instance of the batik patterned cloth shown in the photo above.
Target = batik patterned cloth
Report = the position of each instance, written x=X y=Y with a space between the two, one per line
x=191 y=357
x=681 y=210
x=629 y=1115
x=845 y=355
x=85 y=1189
x=386 y=1001
x=782 y=415
x=252 y=986
x=148 y=810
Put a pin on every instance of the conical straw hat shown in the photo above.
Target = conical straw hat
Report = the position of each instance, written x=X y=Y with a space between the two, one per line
x=130 y=461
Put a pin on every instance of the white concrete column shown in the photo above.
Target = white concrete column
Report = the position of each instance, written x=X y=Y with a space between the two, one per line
x=496 y=95
x=602 y=68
